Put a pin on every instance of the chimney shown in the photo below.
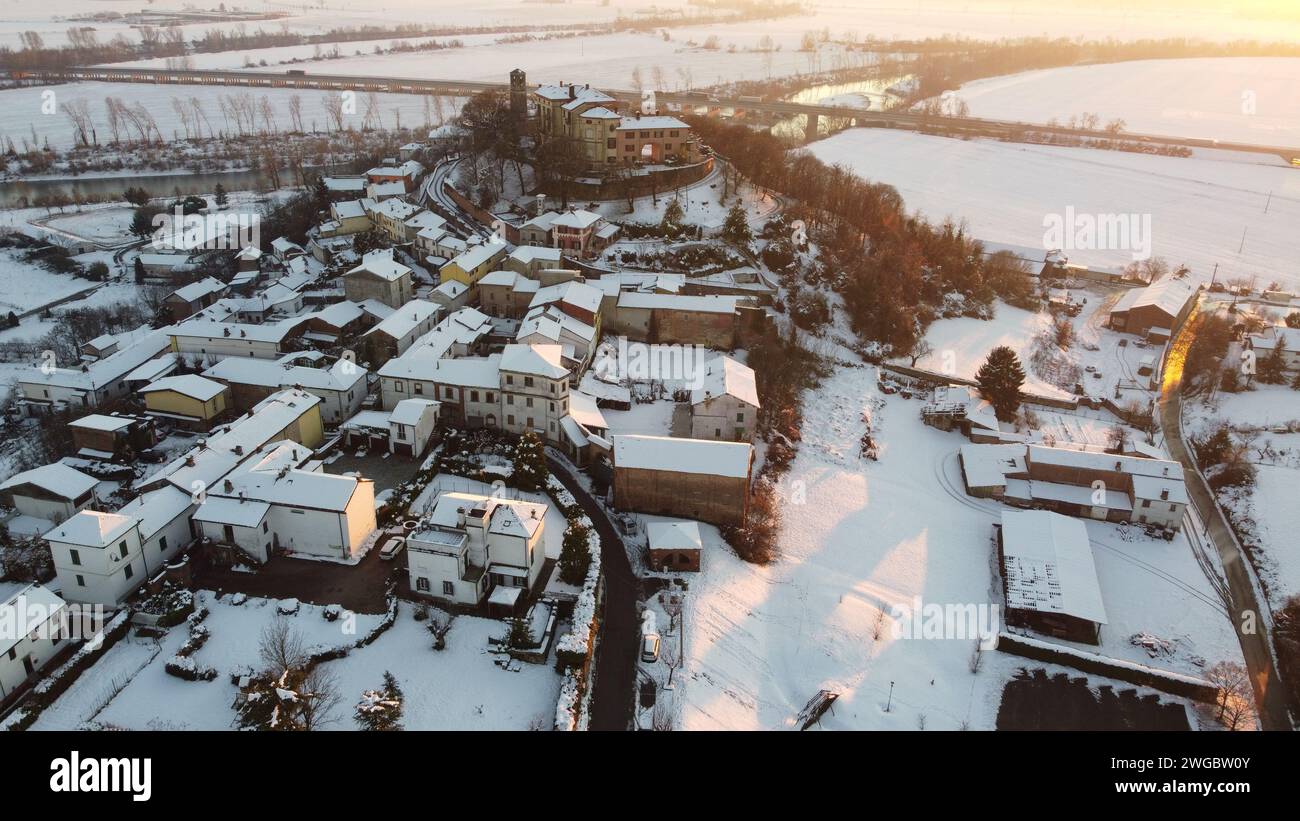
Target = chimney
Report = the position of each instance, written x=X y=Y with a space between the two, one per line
x=228 y=485
x=573 y=92
x=460 y=517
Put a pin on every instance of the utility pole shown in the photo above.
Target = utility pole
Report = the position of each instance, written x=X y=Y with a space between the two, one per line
x=889 y=703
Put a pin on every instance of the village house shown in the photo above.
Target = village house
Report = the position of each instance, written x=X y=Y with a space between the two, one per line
x=654 y=139
x=549 y=325
x=724 y=404
x=475 y=263
x=209 y=340
x=961 y=407
x=674 y=546
x=116 y=437
x=698 y=479
x=341 y=387
x=469 y=545
x=192 y=298
x=34 y=637
x=348 y=217
x=673 y=319
x=450 y=296
x=1154 y=311
x=394 y=335
x=283 y=501
x=586 y=433
x=1091 y=484
x=534 y=390
x=582 y=233
x=1278 y=338
x=167 y=267
x=407 y=173
x=344 y=187
x=506 y=294
x=536 y=231
x=49 y=493
x=189 y=401
x=1049 y=578
x=42 y=389
x=379 y=277
x=531 y=260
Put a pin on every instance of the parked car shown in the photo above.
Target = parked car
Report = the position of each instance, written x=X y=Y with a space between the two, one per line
x=650 y=647
x=390 y=550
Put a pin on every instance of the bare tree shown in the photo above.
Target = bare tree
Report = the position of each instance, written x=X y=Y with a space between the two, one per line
x=78 y=111
x=664 y=717
x=1234 y=696
x=280 y=647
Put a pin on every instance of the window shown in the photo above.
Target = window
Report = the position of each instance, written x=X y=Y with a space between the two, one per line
x=491 y=397
x=510 y=420
x=81 y=581
x=1173 y=508
x=530 y=421
x=398 y=387
x=417 y=388
x=528 y=400
x=422 y=584
x=265 y=526
x=552 y=407
x=528 y=381
x=717 y=433
x=122 y=547
x=448 y=393
x=76 y=557
x=510 y=399
x=740 y=417
x=129 y=571
x=510 y=379
x=162 y=545
x=473 y=396
x=1146 y=503
x=552 y=387
x=448 y=589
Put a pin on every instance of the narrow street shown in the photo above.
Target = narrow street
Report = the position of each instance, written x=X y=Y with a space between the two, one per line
x=1270 y=695
x=614 y=674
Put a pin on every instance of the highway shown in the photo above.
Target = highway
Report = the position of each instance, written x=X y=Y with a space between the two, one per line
x=973 y=126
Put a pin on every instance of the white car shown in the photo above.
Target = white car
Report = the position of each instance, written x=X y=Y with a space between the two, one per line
x=650 y=647
x=389 y=551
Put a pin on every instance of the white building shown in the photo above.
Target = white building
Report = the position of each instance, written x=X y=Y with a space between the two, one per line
x=51 y=493
x=44 y=388
x=341 y=387
x=32 y=637
x=725 y=403
x=470 y=544
x=209 y=340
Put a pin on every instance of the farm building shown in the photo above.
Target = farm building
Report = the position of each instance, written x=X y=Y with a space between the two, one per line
x=1154 y=311
x=1049 y=580
x=674 y=546
x=691 y=478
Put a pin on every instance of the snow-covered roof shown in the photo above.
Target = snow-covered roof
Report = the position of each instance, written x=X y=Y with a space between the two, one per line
x=405 y=319
x=226 y=510
x=635 y=123
x=92 y=528
x=601 y=113
x=18 y=610
x=551 y=324
x=1168 y=294
x=157 y=509
x=197 y=290
x=103 y=371
x=1277 y=336
x=465 y=372
x=539 y=360
x=426 y=220
x=154 y=369
x=56 y=479
x=382 y=266
x=190 y=384
x=411 y=411
x=582 y=407
x=345 y=183
x=542 y=221
x=578 y=294
x=1048 y=565
x=340 y=376
x=988 y=465
x=476 y=256
x=451 y=289
x=674 y=536
x=530 y=253
x=675 y=455
x=725 y=375
x=578 y=218
x=676 y=302
x=215 y=329
x=274 y=478
x=509 y=517
x=102 y=422
x=350 y=209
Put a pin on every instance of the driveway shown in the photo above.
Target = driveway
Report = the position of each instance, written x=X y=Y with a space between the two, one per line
x=1270 y=695
x=614 y=687
x=360 y=587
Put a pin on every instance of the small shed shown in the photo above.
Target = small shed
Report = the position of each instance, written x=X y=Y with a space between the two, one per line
x=675 y=546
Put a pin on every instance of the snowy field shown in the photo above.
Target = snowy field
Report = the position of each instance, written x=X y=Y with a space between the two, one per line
x=25 y=286
x=458 y=688
x=859 y=538
x=1240 y=99
x=21 y=112
x=986 y=19
x=1199 y=208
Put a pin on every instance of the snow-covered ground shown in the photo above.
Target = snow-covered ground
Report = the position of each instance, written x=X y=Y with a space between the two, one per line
x=25 y=285
x=1236 y=99
x=21 y=112
x=1201 y=209
x=457 y=688
x=859 y=538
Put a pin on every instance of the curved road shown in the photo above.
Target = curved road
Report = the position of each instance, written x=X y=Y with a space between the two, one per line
x=1270 y=694
x=614 y=673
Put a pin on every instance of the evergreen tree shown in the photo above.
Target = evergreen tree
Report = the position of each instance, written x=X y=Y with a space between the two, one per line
x=1272 y=368
x=520 y=635
x=1295 y=381
x=530 y=471
x=219 y=194
x=1000 y=379
x=321 y=193
x=575 y=554
x=381 y=710
x=671 y=224
x=142 y=221
x=136 y=196
x=139 y=270
x=736 y=228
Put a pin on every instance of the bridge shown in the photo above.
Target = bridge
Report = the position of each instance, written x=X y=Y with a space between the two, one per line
x=970 y=126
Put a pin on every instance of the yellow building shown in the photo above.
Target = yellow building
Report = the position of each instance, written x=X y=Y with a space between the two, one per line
x=188 y=400
x=474 y=264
